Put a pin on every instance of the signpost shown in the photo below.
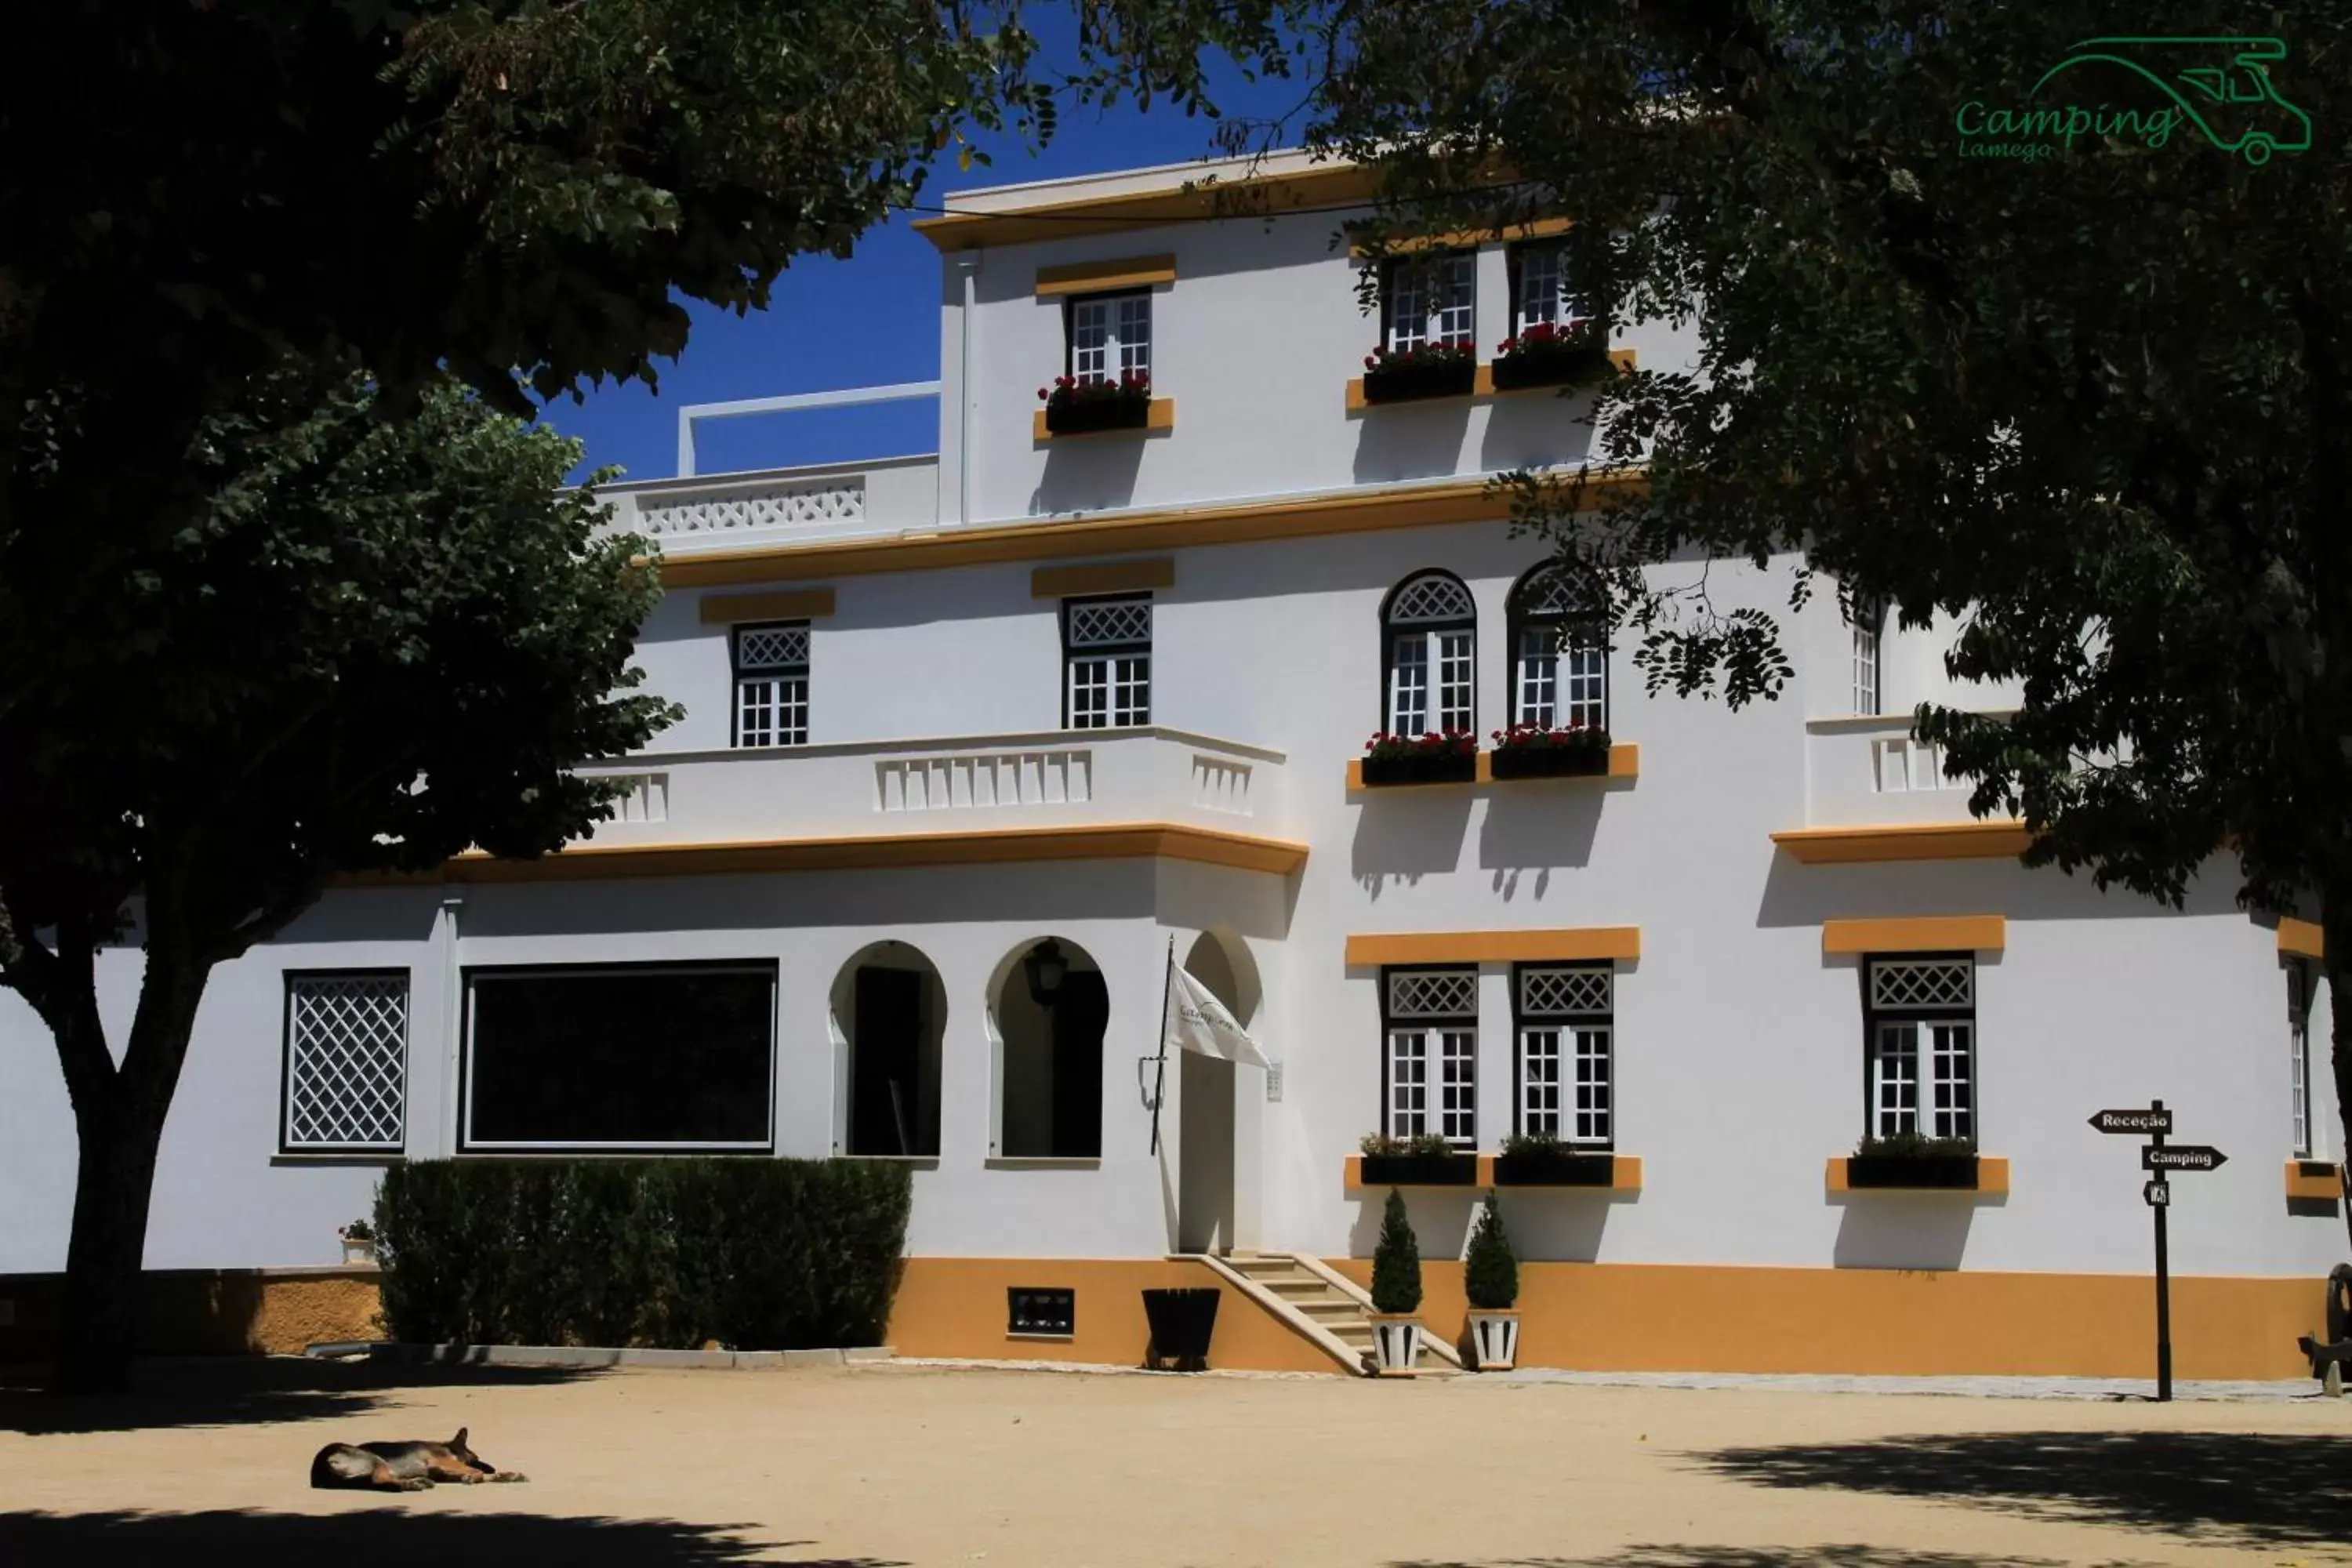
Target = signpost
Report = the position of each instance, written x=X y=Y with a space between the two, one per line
x=2155 y=1121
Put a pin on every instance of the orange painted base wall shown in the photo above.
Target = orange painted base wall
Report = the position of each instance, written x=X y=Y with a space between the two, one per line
x=208 y=1312
x=1620 y=1317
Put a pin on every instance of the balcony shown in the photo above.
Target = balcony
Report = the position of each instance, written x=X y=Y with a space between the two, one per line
x=1873 y=792
x=780 y=505
x=962 y=787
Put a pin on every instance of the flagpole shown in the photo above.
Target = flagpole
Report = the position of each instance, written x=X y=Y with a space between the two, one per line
x=1160 y=1077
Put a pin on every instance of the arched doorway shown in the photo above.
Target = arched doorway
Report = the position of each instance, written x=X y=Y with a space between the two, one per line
x=889 y=1015
x=1050 y=1008
x=1209 y=1103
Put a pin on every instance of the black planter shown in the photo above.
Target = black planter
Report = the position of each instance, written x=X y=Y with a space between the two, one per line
x=1562 y=1170
x=1085 y=416
x=1514 y=372
x=1419 y=1171
x=1548 y=761
x=1437 y=767
x=1182 y=1322
x=1408 y=383
x=1956 y=1172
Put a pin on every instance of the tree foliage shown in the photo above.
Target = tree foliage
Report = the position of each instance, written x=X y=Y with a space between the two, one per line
x=1396 y=1262
x=1490 y=1269
x=2093 y=406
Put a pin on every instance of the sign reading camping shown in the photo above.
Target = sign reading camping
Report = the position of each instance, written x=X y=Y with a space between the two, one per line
x=2182 y=1157
x=2143 y=90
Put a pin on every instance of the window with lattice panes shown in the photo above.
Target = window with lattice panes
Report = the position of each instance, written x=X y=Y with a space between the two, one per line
x=1109 y=336
x=1920 y=1018
x=1427 y=300
x=346 y=1063
x=1567 y=1038
x=1429 y=1056
x=1560 y=677
x=1107 y=662
x=771 y=684
x=1539 y=290
x=2298 y=1039
x=1867 y=623
x=1432 y=639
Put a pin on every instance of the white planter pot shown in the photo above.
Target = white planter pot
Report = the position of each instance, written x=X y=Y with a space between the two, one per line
x=359 y=1252
x=1396 y=1343
x=1494 y=1339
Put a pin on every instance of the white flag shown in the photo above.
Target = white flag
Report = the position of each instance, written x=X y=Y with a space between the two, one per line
x=1197 y=1021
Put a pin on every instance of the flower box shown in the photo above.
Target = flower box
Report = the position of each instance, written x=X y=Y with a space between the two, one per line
x=1555 y=1168
x=1942 y=1172
x=1545 y=355
x=1081 y=408
x=1431 y=767
x=1441 y=371
x=1548 y=761
x=1418 y=1170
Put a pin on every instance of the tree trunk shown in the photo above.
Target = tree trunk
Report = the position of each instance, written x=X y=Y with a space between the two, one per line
x=119 y=1117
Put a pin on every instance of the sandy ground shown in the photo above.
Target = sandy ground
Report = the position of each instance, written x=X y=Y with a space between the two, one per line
x=863 y=1467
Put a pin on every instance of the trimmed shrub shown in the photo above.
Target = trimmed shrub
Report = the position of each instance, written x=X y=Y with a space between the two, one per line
x=1490 y=1270
x=756 y=1254
x=1396 y=1262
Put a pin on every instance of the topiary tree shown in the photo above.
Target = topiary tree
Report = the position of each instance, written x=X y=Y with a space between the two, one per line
x=1396 y=1262
x=1490 y=1270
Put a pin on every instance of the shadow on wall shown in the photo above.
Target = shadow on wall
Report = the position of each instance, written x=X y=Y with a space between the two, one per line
x=240 y=1390
x=386 y=1534
x=1537 y=431
x=1797 y=895
x=1541 y=825
x=1407 y=833
x=1849 y=1556
x=1094 y=473
x=2226 y=1489
x=1411 y=440
x=201 y=1311
x=1559 y=1225
x=1902 y=1230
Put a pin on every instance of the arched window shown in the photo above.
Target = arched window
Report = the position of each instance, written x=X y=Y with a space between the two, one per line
x=1049 y=1009
x=1559 y=668
x=889 y=1016
x=1429 y=629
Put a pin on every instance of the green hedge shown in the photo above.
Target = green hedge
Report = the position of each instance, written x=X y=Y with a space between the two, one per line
x=757 y=1254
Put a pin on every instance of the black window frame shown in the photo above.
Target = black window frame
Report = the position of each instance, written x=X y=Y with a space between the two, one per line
x=1391 y=629
x=736 y=674
x=470 y=1147
x=1072 y=655
x=287 y=1148
x=1425 y=259
x=1517 y=619
x=1872 y=1016
x=1431 y=1113
x=1052 y=1312
x=1521 y=1018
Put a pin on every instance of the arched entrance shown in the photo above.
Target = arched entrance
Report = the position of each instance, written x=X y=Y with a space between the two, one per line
x=889 y=1016
x=1050 y=1009
x=1209 y=1103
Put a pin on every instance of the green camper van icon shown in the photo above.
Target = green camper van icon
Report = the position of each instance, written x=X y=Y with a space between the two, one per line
x=2220 y=85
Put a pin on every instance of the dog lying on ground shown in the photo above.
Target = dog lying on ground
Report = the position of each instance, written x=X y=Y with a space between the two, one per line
x=402 y=1467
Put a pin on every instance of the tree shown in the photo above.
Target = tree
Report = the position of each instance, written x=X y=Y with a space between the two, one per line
x=385 y=641
x=1490 y=1269
x=1396 y=1262
x=2092 y=404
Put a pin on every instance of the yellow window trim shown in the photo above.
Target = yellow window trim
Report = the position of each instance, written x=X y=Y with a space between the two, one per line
x=1905 y=841
x=1922 y=933
x=786 y=604
x=2300 y=939
x=1099 y=277
x=1468 y=238
x=1159 y=418
x=1103 y=577
x=1587 y=942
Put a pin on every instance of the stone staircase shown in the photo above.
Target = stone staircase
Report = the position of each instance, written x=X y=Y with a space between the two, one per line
x=1323 y=1305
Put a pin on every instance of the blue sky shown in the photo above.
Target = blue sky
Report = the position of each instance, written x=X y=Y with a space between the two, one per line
x=868 y=321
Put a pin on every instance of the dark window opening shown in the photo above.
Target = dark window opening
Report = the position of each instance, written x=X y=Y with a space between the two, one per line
x=1041 y=1311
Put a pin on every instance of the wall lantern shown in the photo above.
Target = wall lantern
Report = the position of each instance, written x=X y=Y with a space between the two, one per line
x=1045 y=966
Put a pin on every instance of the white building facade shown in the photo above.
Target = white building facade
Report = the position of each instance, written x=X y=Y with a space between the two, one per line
x=1110 y=692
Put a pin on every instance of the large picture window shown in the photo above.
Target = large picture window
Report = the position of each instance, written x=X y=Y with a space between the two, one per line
x=642 y=1056
x=1920 y=1018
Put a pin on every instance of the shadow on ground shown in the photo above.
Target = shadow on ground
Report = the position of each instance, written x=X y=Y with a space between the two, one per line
x=1765 y=1557
x=372 y=1535
x=2265 y=1488
x=235 y=1390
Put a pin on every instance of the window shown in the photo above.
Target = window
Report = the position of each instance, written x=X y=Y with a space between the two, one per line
x=1539 y=294
x=1107 y=657
x=1048 y=1313
x=1567 y=1086
x=2298 y=1040
x=346 y=1063
x=771 y=684
x=1868 y=620
x=1109 y=336
x=1430 y=300
x=635 y=1056
x=1430 y=1067
x=1920 y=1020
x=1560 y=671
x=1431 y=631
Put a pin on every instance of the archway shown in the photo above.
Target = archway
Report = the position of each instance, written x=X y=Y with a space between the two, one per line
x=1051 y=1010
x=1209 y=1101
x=890 y=1012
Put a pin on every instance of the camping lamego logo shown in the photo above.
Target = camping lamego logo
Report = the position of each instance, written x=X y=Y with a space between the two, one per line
x=2219 y=88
